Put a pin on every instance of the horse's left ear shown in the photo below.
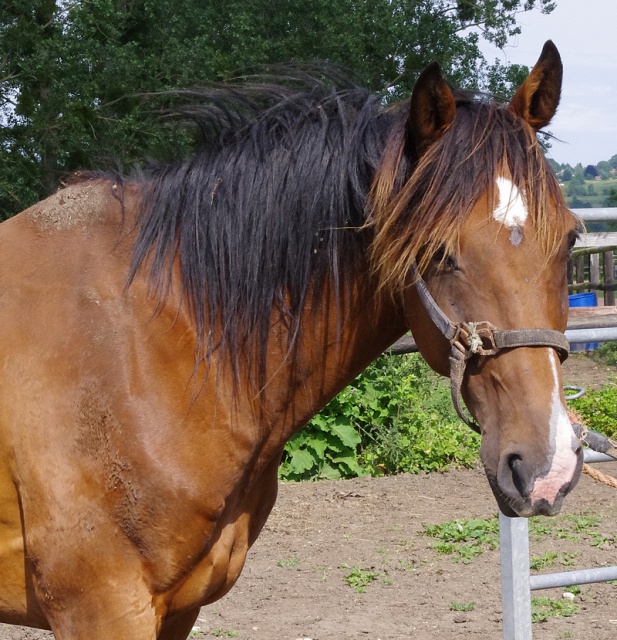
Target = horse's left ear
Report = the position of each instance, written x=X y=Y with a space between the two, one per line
x=432 y=109
x=537 y=98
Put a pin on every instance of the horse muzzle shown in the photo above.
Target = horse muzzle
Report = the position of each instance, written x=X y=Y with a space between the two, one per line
x=522 y=484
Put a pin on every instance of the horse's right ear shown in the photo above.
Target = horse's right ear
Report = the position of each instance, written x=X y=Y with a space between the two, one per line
x=432 y=109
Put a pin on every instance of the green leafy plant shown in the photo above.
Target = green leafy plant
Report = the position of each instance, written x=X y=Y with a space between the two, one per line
x=289 y=563
x=544 y=608
x=599 y=409
x=544 y=561
x=396 y=417
x=325 y=449
x=224 y=633
x=359 y=578
x=464 y=539
x=606 y=353
x=462 y=606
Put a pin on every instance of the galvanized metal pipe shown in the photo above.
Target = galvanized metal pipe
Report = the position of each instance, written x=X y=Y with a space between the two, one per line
x=515 y=595
x=576 y=336
x=605 y=214
x=570 y=578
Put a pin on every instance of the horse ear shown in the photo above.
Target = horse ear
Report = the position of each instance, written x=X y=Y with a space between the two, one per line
x=432 y=109
x=537 y=98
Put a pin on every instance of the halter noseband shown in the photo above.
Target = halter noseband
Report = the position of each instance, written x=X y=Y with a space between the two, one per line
x=482 y=338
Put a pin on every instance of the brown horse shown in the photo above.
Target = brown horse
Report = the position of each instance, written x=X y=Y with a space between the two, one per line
x=166 y=334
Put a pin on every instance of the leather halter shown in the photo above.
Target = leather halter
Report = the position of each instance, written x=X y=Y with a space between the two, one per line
x=481 y=338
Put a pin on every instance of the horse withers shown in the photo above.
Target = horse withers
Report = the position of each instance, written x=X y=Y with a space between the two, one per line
x=166 y=333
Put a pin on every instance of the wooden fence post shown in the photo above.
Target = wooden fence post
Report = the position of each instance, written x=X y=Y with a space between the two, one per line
x=609 y=277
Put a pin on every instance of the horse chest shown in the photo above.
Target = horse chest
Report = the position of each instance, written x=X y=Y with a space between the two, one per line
x=213 y=575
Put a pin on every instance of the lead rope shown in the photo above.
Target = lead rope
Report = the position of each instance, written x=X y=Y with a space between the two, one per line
x=597 y=442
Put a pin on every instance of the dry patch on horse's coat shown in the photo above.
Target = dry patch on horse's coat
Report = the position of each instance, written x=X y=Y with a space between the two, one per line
x=97 y=428
x=97 y=425
x=100 y=438
x=75 y=206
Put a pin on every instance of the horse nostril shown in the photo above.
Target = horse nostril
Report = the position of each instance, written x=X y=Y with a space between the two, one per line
x=522 y=477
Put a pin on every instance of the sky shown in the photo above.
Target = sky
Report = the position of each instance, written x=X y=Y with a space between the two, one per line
x=585 y=32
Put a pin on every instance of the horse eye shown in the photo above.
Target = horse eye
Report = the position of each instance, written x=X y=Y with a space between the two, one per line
x=573 y=238
x=444 y=261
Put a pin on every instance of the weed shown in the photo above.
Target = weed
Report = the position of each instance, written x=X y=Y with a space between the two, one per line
x=359 y=578
x=462 y=606
x=544 y=608
x=289 y=563
x=544 y=561
x=465 y=539
x=537 y=563
x=406 y=565
x=224 y=633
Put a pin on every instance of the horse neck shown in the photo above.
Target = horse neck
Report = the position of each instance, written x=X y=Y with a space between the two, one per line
x=334 y=346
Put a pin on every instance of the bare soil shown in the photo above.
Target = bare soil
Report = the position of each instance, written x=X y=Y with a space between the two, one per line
x=293 y=586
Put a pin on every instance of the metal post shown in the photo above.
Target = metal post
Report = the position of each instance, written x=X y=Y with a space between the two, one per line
x=515 y=591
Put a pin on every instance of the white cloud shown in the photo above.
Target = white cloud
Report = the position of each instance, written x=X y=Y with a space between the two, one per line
x=584 y=33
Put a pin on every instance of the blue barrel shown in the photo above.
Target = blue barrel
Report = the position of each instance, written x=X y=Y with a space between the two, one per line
x=587 y=299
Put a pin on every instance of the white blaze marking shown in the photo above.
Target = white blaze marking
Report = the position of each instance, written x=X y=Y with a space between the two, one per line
x=511 y=209
x=561 y=444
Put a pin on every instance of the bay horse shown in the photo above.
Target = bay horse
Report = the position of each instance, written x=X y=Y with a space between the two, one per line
x=166 y=333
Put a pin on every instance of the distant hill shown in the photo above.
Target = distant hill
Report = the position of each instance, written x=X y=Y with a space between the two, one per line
x=590 y=186
x=591 y=193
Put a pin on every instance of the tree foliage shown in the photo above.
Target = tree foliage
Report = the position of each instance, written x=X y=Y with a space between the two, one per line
x=74 y=73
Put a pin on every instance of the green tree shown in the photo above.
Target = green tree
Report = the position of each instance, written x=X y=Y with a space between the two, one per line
x=611 y=200
x=604 y=169
x=74 y=73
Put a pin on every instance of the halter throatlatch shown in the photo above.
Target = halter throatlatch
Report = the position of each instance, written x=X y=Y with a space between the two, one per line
x=481 y=338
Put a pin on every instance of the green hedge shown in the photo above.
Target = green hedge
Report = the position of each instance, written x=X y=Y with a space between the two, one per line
x=396 y=417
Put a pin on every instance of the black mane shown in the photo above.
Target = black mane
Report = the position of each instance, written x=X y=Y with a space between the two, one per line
x=269 y=210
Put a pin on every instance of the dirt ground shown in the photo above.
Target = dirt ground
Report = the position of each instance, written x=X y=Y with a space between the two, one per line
x=295 y=585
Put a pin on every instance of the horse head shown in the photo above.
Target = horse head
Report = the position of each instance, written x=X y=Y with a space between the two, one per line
x=483 y=273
